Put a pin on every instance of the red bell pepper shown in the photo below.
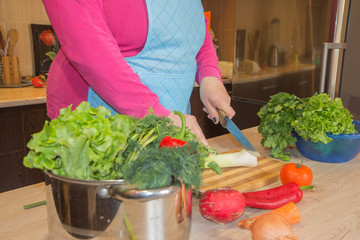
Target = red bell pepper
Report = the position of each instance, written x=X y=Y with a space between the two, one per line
x=275 y=197
x=176 y=141
x=170 y=142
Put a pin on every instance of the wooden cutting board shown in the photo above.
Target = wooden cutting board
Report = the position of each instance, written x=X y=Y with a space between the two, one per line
x=244 y=179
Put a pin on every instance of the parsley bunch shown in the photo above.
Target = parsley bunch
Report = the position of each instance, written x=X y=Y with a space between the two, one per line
x=275 y=127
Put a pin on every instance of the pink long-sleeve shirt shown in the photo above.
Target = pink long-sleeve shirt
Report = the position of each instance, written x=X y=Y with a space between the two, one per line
x=95 y=36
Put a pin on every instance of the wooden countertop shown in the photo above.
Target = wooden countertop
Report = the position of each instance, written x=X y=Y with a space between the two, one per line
x=332 y=212
x=14 y=97
x=271 y=72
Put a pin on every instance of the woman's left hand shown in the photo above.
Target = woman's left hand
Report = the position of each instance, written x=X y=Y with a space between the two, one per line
x=214 y=96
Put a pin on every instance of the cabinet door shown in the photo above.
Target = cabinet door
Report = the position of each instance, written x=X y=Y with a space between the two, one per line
x=17 y=124
x=303 y=84
x=246 y=113
x=258 y=90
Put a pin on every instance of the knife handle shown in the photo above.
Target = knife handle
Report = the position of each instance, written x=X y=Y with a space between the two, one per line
x=223 y=118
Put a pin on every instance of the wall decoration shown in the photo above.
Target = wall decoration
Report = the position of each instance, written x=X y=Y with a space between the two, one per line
x=45 y=47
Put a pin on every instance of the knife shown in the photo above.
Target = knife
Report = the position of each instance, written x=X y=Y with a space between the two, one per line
x=227 y=123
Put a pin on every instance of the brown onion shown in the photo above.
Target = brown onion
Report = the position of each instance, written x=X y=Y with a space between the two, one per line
x=272 y=226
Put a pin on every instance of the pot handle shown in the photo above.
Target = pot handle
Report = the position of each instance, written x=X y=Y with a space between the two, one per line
x=120 y=192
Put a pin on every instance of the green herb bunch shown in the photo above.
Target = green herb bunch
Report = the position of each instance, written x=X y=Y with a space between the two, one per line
x=275 y=127
x=89 y=143
x=155 y=167
x=312 y=118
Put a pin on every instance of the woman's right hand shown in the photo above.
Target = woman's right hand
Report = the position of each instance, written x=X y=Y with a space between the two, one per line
x=192 y=124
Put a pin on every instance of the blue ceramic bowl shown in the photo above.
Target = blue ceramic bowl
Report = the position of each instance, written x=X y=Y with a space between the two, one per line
x=342 y=148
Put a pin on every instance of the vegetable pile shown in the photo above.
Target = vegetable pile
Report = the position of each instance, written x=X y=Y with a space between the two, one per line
x=312 y=118
x=89 y=143
x=225 y=205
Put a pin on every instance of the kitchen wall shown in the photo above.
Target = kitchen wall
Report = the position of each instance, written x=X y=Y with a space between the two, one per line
x=19 y=14
x=223 y=25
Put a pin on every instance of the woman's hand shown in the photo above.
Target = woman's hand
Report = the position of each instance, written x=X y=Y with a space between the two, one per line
x=192 y=124
x=214 y=96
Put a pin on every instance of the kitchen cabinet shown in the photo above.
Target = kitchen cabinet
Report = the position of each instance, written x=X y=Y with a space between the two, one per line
x=17 y=124
x=300 y=83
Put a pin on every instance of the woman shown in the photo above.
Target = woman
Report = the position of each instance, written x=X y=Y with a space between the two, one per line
x=132 y=55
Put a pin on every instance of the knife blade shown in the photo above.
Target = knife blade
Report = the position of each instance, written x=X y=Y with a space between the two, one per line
x=227 y=123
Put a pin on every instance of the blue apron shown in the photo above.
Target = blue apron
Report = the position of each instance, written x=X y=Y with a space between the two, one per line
x=167 y=63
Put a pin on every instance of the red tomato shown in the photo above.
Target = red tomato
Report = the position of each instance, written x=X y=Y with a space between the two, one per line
x=297 y=173
x=37 y=82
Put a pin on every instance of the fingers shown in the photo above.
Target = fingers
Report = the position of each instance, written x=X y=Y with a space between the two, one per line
x=192 y=124
x=213 y=113
x=230 y=112
x=194 y=127
x=208 y=115
x=205 y=110
x=214 y=96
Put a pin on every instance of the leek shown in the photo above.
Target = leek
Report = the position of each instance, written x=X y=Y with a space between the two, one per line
x=234 y=159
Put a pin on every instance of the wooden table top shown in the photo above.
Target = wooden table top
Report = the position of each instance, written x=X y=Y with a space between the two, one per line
x=332 y=212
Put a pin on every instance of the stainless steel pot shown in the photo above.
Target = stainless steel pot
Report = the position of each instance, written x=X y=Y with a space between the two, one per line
x=83 y=209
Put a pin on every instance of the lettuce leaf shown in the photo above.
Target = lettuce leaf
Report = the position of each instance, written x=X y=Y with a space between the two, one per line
x=321 y=116
x=85 y=143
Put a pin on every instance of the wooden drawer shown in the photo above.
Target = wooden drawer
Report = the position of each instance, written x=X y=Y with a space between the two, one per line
x=259 y=90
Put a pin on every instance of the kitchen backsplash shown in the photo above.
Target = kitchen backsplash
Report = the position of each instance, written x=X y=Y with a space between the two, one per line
x=19 y=14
